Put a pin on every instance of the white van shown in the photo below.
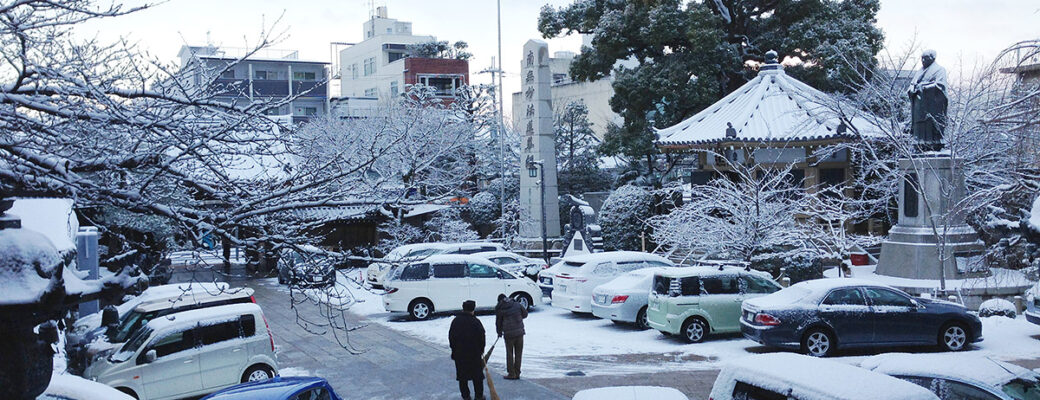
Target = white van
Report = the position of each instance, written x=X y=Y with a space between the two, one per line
x=576 y=276
x=442 y=282
x=796 y=377
x=376 y=272
x=191 y=353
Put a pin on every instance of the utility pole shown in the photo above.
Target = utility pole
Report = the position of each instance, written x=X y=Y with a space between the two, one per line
x=501 y=125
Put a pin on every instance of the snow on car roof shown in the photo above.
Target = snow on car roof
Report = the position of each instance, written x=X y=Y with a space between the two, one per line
x=633 y=279
x=808 y=378
x=489 y=254
x=201 y=314
x=680 y=272
x=455 y=258
x=826 y=284
x=963 y=367
x=630 y=393
x=615 y=256
x=192 y=297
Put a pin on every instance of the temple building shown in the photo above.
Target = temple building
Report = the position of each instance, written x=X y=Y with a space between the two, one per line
x=770 y=122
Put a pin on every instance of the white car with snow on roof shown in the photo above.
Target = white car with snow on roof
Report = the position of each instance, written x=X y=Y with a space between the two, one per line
x=71 y=387
x=515 y=263
x=576 y=276
x=442 y=282
x=376 y=272
x=959 y=376
x=191 y=353
x=790 y=376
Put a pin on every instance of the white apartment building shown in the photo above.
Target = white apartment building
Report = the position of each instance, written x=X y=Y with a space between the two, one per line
x=373 y=67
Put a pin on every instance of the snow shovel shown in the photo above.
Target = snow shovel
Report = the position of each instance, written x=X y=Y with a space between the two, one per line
x=487 y=373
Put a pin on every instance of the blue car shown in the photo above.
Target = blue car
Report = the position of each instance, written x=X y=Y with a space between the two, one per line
x=279 y=388
x=820 y=316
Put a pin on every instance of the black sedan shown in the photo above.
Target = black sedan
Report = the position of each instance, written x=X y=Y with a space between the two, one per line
x=820 y=316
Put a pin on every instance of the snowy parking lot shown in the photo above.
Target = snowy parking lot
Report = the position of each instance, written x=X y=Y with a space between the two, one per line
x=559 y=342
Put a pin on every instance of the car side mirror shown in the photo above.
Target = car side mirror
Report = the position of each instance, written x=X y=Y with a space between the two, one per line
x=149 y=357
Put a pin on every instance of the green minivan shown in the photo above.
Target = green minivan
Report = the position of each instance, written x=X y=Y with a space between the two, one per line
x=697 y=301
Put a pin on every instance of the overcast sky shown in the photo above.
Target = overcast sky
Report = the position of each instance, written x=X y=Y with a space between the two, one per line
x=963 y=32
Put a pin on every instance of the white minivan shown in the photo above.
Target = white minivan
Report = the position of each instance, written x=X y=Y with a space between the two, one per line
x=191 y=353
x=442 y=282
x=576 y=276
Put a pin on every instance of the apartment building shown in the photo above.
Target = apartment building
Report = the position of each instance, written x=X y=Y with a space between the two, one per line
x=267 y=74
x=381 y=66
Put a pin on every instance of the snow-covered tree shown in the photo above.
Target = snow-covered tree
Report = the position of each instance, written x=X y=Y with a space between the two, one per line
x=576 y=151
x=624 y=217
x=737 y=219
x=448 y=226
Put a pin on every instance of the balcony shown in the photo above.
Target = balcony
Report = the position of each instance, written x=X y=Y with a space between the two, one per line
x=271 y=88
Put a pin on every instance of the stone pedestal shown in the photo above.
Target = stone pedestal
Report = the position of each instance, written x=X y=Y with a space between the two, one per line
x=931 y=188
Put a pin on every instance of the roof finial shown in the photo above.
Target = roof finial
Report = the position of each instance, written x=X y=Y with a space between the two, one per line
x=730 y=132
x=771 y=57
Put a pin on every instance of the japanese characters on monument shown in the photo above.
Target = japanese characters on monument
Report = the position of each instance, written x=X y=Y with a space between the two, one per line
x=538 y=144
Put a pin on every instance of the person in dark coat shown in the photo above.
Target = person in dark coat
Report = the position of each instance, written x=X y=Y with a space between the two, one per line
x=466 y=338
x=509 y=322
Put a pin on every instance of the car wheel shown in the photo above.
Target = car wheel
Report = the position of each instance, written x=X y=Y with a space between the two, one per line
x=257 y=373
x=641 y=320
x=695 y=330
x=420 y=309
x=818 y=343
x=128 y=392
x=523 y=299
x=953 y=337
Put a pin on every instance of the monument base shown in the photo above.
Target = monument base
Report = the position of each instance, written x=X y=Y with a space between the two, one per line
x=532 y=247
x=913 y=252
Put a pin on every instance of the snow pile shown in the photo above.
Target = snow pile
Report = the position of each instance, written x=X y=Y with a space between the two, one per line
x=53 y=218
x=997 y=307
x=28 y=256
x=73 y=387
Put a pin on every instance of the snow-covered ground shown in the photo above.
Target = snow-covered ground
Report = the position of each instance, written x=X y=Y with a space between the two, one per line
x=209 y=257
x=560 y=342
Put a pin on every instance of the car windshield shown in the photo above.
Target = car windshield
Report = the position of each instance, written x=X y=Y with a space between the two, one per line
x=422 y=252
x=130 y=348
x=1023 y=388
x=129 y=325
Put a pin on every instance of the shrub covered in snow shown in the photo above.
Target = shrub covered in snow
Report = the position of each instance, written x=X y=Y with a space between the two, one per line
x=623 y=217
x=997 y=307
x=484 y=209
x=448 y=226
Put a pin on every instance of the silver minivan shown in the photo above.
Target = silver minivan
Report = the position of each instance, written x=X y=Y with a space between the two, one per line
x=191 y=353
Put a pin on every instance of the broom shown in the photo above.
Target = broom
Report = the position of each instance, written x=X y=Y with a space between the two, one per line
x=487 y=373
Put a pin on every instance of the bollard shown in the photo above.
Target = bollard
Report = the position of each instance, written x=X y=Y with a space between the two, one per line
x=786 y=282
x=1020 y=305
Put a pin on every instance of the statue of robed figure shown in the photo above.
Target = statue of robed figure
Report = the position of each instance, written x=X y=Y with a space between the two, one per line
x=928 y=103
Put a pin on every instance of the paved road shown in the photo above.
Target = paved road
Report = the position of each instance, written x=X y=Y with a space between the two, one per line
x=391 y=366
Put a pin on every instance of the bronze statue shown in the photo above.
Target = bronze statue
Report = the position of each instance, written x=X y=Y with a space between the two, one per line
x=928 y=103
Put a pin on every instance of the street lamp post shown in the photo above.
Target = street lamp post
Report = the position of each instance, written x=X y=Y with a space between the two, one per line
x=537 y=169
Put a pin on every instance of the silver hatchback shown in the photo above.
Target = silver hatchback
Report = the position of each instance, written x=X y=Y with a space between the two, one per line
x=624 y=299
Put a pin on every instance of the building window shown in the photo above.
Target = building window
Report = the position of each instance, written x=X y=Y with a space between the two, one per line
x=370 y=66
x=261 y=75
x=389 y=30
x=393 y=89
x=371 y=92
x=306 y=111
x=354 y=70
x=229 y=74
x=304 y=76
x=559 y=78
x=394 y=56
x=442 y=85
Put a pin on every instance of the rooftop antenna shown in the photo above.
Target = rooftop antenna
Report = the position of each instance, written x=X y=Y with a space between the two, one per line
x=209 y=42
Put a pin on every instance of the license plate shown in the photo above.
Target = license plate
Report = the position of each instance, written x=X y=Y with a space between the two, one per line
x=563 y=288
x=316 y=278
x=601 y=299
x=749 y=316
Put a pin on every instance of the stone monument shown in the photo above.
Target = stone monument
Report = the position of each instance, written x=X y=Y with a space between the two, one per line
x=539 y=198
x=932 y=187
